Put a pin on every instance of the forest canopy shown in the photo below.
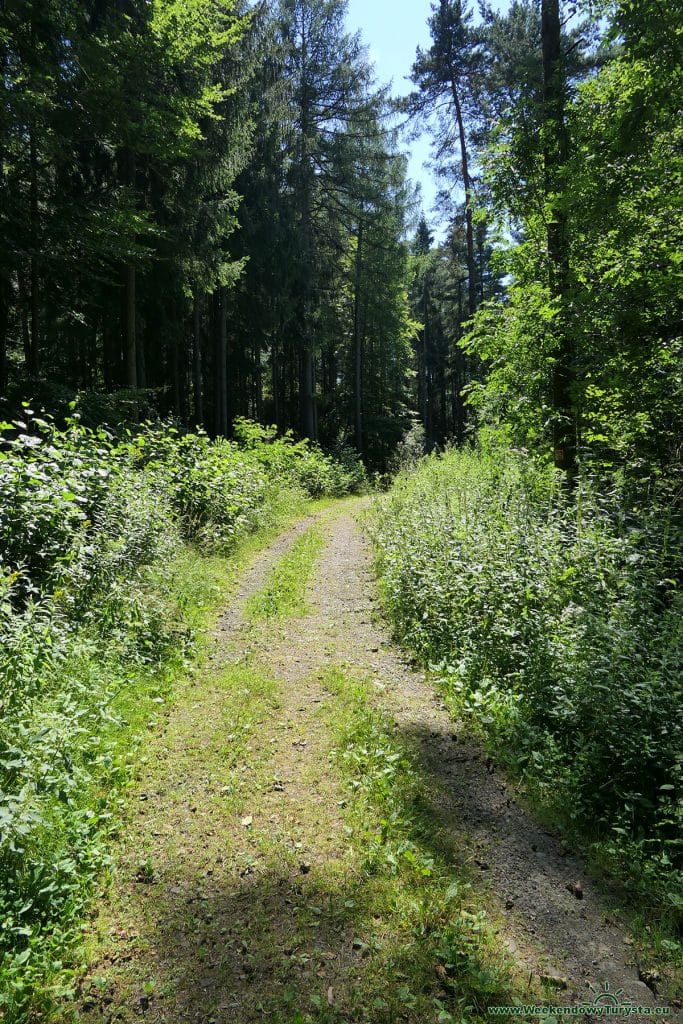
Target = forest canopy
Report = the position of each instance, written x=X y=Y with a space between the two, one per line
x=205 y=214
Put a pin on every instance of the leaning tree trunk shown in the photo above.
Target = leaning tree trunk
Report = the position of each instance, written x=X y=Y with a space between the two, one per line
x=554 y=160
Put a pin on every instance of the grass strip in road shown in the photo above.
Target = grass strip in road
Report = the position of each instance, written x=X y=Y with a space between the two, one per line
x=213 y=759
x=284 y=594
x=427 y=950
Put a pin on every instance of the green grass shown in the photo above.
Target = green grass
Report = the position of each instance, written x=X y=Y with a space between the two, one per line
x=551 y=624
x=380 y=927
x=284 y=594
x=427 y=949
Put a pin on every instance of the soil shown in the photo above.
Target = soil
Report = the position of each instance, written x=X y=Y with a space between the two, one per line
x=218 y=920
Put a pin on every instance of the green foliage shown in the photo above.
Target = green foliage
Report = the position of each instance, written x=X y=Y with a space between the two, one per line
x=556 y=624
x=217 y=491
x=620 y=312
x=98 y=601
x=172 y=167
x=408 y=875
x=301 y=463
x=410 y=449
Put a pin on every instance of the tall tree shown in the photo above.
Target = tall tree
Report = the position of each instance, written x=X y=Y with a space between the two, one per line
x=555 y=154
x=329 y=77
x=107 y=105
x=448 y=70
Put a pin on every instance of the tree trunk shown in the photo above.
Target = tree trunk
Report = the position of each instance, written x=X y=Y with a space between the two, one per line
x=554 y=160
x=292 y=368
x=308 y=395
x=358 y=344
x=129 y=338
x=458 y=404
x=197 y=375
x=221 y=364
x=307 y=371
x=129 y=286
x=33 y=362
x=24 y=317
x=5 y=279
x=179 y=368
x=258 y=383
x=5 y=293
x=140 y=361
x=426 y=389
x=275 y=369
x=467 y=184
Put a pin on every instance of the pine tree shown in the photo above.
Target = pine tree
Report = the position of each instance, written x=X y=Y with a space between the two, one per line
x=448 y=71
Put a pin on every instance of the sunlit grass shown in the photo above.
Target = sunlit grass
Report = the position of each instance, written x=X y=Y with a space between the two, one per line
x=284 y=593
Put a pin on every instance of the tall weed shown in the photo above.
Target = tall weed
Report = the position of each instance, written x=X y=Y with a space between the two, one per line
x=555 y=623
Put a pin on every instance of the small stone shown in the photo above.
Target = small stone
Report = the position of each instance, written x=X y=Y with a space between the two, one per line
x=554 y=979
x=649 y=977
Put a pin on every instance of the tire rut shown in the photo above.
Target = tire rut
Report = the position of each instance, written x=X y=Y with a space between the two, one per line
x=525 y=871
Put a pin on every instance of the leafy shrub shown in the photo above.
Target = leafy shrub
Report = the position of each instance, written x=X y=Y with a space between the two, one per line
x=410 y=449
x=89 y=627
x=217 y=490
x=302 y=464
x=556 y=623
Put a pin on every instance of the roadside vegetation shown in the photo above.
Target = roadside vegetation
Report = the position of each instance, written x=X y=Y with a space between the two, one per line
x=553 y=623
x=537 y=569
x=114 y=551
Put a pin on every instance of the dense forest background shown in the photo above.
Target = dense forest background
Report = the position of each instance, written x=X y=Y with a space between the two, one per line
x=205 y=214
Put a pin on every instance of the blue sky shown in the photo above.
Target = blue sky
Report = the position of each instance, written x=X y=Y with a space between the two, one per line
x=392 y=31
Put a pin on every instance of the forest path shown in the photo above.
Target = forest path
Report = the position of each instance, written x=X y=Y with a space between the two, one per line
x=242 y=891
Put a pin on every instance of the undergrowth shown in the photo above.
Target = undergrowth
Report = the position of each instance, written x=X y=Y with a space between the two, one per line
x=112 y=553
x=554 y=624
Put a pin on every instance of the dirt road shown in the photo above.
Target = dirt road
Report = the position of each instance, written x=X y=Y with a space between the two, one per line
x=229 y=897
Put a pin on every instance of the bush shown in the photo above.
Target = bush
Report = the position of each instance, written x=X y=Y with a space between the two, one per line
x=302 y=464
x=555 y=622
x=90 y=630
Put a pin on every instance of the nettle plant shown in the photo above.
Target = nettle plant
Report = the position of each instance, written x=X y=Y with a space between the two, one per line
x=554 y=621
